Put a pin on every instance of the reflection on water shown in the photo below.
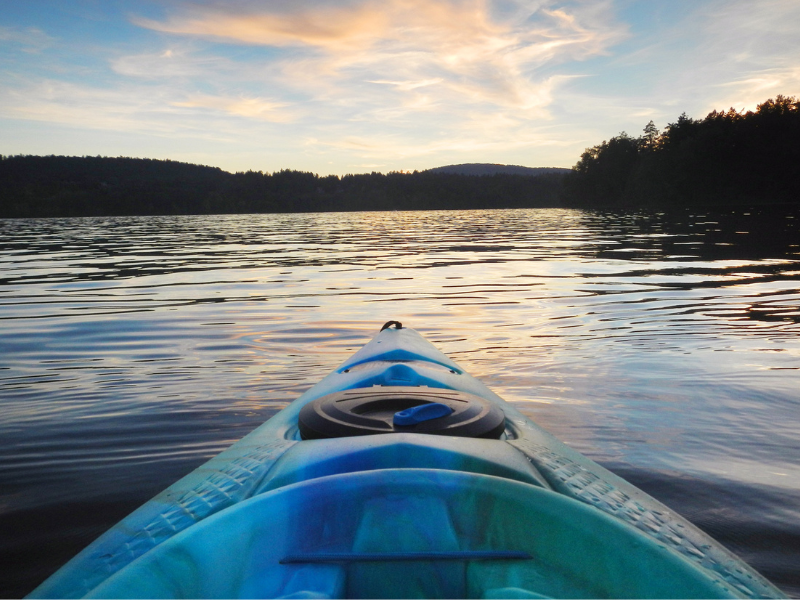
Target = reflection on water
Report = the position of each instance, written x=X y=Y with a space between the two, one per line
x=665 y=346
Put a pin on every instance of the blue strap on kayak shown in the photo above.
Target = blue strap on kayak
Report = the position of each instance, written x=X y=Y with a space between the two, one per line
x=422 y=413
x=324 y=557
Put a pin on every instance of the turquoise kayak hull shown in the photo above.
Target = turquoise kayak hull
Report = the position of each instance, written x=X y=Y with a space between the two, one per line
x=403 y=514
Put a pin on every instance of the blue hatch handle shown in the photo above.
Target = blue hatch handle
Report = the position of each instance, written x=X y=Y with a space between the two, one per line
x=421 y=413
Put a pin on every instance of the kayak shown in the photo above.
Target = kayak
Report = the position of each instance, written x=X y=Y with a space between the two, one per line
x=399 y=475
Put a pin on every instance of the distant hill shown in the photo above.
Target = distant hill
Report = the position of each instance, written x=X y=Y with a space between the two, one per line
x=492 y=169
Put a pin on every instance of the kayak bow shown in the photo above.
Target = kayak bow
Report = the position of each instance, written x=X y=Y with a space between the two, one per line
x=400 y=475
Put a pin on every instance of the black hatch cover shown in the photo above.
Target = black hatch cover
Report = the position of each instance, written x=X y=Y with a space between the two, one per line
x=395 y=409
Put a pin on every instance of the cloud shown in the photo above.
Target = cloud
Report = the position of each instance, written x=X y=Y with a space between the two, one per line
x=179 y=63
x=321 y=26
x=162 y=112
x=754 y=47
x=470 y=50
x=32 y=39
x=401 y=80
x=79 y=105
x=722 y=53
x=756 y=87
x=487 y=135
x=685 y=57
x=253 y=108
x=409 y=85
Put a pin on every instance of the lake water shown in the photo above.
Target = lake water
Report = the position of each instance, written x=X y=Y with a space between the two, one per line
x=664 y=346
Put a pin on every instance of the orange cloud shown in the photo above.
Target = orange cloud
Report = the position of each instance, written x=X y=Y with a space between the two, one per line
x=319 y=27
x=456 y=30
x=254 y=108
x=469 y=52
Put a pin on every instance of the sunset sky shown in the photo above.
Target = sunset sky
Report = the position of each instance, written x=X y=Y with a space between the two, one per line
x=352 y=86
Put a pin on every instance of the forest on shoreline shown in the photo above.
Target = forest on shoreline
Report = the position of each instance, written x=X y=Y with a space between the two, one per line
x=59 y=186
x=727 y=158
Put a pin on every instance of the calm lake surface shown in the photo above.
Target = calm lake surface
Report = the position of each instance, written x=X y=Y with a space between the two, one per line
x=664 y=346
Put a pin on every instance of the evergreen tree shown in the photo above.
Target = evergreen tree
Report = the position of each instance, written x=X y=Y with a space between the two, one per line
x=650 y=136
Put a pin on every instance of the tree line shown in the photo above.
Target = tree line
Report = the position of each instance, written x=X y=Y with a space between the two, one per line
x=729 y=157
x=61 y=186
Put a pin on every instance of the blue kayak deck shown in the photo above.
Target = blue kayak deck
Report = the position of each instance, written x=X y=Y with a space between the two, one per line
x=416 y=533
x=404 y=493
